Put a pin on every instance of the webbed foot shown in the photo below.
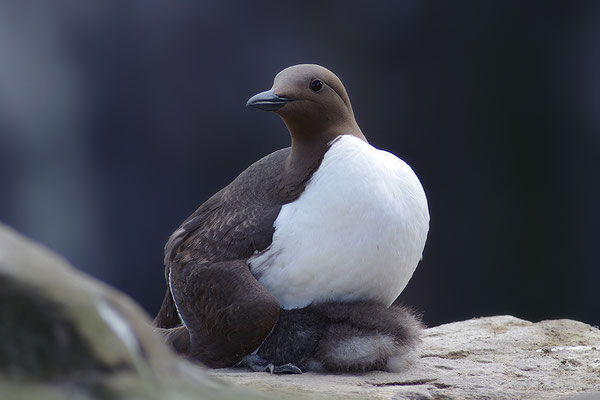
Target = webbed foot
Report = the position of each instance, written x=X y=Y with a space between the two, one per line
x=258 y=364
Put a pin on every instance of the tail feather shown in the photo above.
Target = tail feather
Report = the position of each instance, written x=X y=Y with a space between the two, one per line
x=167 y=316
x=178 y=338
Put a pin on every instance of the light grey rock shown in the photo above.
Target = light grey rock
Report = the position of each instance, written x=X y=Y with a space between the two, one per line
x=499 y=357
x=64 y=335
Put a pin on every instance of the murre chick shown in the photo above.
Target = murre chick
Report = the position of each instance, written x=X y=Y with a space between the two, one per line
x=296 y=263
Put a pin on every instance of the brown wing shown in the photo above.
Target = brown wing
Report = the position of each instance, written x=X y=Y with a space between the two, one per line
x=237 y=220
x=226 y=311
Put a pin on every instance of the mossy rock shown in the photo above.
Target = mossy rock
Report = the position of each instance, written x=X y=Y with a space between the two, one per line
x=64 y=335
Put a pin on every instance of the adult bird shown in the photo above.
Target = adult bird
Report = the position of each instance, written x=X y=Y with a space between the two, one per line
x=296 y=263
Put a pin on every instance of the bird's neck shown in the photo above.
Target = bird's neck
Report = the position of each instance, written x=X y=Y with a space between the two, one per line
x=309 y=148
x=311 y=140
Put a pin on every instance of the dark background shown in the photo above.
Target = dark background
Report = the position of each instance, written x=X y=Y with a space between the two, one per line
x=119 y=118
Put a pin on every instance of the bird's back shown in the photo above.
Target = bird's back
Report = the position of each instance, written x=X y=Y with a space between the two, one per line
x=233 y=224
x=236 y=221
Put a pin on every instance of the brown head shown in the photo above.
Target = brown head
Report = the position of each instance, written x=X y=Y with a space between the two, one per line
x=314 y=105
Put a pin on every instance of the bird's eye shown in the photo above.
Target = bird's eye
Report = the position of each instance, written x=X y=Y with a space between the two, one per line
x=316 y=85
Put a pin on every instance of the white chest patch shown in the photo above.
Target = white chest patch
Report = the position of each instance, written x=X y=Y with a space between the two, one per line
x=357 y=232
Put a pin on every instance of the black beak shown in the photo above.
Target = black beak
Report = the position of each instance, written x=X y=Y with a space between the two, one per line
x=267 y=101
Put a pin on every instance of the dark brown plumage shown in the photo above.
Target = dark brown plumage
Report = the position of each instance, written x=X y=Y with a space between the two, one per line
x=206 y=258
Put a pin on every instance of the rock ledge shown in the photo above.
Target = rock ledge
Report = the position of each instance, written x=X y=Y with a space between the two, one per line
x=500 y=357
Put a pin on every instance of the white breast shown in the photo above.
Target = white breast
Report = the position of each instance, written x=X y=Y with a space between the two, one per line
x=357 y=232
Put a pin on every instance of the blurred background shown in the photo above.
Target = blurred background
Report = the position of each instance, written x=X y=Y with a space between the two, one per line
x=119 y=118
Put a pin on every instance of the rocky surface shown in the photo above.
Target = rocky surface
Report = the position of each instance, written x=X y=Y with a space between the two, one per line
x=66 y=335
x=487 y=358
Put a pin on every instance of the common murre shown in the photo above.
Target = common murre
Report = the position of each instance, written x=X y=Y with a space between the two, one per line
x=297 y=261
